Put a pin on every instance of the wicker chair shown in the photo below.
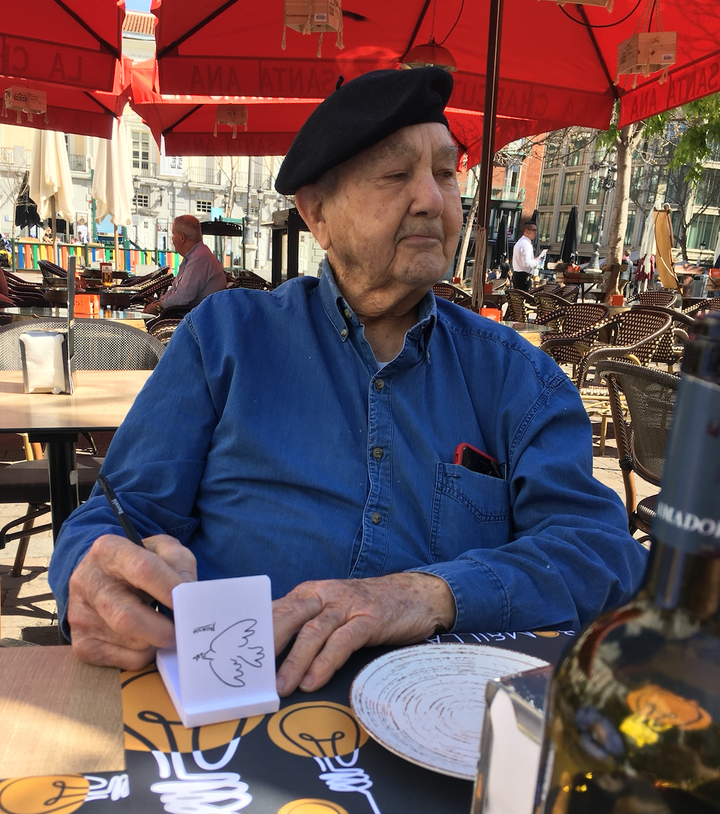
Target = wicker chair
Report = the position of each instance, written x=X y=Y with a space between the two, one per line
x=520 y=306
x=163 y=328
x=23 y=293
x=248 y=279
x=446 y=291
x=152 y=289
x=547 y=302
x=641 y=439
x=662 y=298
x=569 y=292
x=672 y=343
x=633 y=334
x=98 y=345
x=710 y=304
x=50 y=270
x=574 y=333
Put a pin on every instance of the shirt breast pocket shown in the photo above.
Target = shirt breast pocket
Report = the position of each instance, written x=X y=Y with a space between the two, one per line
x=470 y=510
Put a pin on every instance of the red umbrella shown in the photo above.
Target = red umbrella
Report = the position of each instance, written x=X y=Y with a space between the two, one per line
x=73 y=110
x=73 y=42
x=558 y=65
x=188 y=123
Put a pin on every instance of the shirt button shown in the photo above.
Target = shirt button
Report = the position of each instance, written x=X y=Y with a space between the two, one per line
x=379 y=384
x=377 y=453
x=348 y=313
x=376 y=517
x=343 y=333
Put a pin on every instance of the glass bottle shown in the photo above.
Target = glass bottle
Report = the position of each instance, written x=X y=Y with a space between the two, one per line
x=633 y=710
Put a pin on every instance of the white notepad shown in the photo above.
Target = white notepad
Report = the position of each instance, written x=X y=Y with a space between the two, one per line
x=223 y=665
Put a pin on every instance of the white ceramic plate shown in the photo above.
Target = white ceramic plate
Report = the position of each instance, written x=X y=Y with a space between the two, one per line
x=426 y=703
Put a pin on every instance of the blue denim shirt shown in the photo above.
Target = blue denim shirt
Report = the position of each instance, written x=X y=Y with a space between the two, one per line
x=268 y=440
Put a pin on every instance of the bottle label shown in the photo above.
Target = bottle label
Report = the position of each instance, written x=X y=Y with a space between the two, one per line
x=688 y=509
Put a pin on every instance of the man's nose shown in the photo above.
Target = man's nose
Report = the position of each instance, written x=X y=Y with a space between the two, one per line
x=427 y=197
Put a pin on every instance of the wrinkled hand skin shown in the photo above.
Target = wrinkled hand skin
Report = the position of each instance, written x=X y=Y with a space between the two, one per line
x=109 y=613
x=333 y=618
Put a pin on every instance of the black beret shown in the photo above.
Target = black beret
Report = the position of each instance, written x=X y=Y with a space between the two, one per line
x=359 y=114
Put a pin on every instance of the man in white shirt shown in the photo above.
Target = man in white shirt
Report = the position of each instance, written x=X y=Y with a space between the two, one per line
x=524 y=261
x=200 y=273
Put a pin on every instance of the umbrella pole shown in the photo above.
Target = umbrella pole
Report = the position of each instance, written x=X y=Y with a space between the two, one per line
x=54 y=231
x=492 y=74
x=117 y=246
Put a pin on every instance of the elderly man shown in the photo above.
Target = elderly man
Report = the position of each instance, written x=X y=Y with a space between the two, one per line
x=200 y=273
x=524 y=261
x=326 y=458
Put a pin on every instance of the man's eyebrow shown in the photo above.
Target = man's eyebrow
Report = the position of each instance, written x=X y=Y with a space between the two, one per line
x=449 y=151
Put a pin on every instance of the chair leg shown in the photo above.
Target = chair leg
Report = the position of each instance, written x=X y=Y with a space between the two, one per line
x=603 y=433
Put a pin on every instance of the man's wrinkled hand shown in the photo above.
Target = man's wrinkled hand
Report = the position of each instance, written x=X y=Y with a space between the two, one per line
x=333 y=618
x=111 y=589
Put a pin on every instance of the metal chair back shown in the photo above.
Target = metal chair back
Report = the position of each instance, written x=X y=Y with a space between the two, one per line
x=99 y=344
x=642 y=436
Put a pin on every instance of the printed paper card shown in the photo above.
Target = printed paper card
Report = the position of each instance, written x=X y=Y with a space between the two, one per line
x=223 y=665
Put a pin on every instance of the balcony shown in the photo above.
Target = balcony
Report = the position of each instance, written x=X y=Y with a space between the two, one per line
x=7 y=157
x=144 y=169
x=508 y=193
x=206 y=176
x=241 y=180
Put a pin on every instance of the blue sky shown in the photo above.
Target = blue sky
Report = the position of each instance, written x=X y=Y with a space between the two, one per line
x=137 y=5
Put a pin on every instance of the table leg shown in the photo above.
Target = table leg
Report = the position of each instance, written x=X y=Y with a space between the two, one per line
x=62 y=468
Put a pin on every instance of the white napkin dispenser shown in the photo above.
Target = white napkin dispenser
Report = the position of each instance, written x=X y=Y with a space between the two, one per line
x=45 y=365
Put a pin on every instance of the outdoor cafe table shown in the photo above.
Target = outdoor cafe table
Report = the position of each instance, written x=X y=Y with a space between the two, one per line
x=101 y=401
x=266 y=764
x=22 y=313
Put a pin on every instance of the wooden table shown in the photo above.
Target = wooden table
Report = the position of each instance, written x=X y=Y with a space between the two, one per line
x=585 y=279
x=101 y=401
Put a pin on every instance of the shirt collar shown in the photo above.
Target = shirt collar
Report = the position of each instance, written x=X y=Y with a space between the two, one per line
x=342 y=316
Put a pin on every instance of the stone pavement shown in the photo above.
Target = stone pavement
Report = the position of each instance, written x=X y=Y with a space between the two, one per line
x=27 y=604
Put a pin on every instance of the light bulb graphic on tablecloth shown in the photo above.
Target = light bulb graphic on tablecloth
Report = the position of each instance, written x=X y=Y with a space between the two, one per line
x=332 y=737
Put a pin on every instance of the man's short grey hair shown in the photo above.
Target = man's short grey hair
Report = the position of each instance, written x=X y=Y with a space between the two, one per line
x=189 y=226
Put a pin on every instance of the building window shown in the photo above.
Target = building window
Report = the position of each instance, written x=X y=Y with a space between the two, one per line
x=703 y=230
x=141 y=201
x=547 y=190
x=552 y=153
x=543 y=224
x=571 y=188
x=140 y=150
x=576 y=150
x=562 y=223
x=630 y=229
x=593 y=194
x=589 y=227
x=203 y=206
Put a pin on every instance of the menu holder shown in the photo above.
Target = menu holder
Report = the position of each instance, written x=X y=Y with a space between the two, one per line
x=510 y=743
x=223 y=665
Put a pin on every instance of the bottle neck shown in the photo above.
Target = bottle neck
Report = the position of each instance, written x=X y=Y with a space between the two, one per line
x=677 y=579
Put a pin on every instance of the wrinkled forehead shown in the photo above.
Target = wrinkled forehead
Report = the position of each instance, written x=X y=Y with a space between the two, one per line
x=408 y=142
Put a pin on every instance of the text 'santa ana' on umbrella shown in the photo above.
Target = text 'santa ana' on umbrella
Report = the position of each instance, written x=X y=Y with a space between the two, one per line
x=74 y=43
x=573 y=83
x=187 y=124
x=569 y=247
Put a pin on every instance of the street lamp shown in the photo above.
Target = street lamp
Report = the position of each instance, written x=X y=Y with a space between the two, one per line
x=606 y=183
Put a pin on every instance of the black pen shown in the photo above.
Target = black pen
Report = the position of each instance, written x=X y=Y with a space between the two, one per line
x=123 y=519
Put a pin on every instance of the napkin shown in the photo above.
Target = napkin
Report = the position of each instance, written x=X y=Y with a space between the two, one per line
x=44 y=361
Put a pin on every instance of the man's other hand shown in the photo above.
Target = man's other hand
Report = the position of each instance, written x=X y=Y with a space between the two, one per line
x=333 y=618
x=153 y=307
x=109 y=611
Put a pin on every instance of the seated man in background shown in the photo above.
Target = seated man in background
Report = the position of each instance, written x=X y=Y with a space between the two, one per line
x=325 y=459
x=200 y=273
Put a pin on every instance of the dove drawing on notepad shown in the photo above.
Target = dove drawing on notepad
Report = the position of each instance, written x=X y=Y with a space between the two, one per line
x=229 y=653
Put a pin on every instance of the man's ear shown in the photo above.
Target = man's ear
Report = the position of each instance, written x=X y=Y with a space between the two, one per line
x=309 y=202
